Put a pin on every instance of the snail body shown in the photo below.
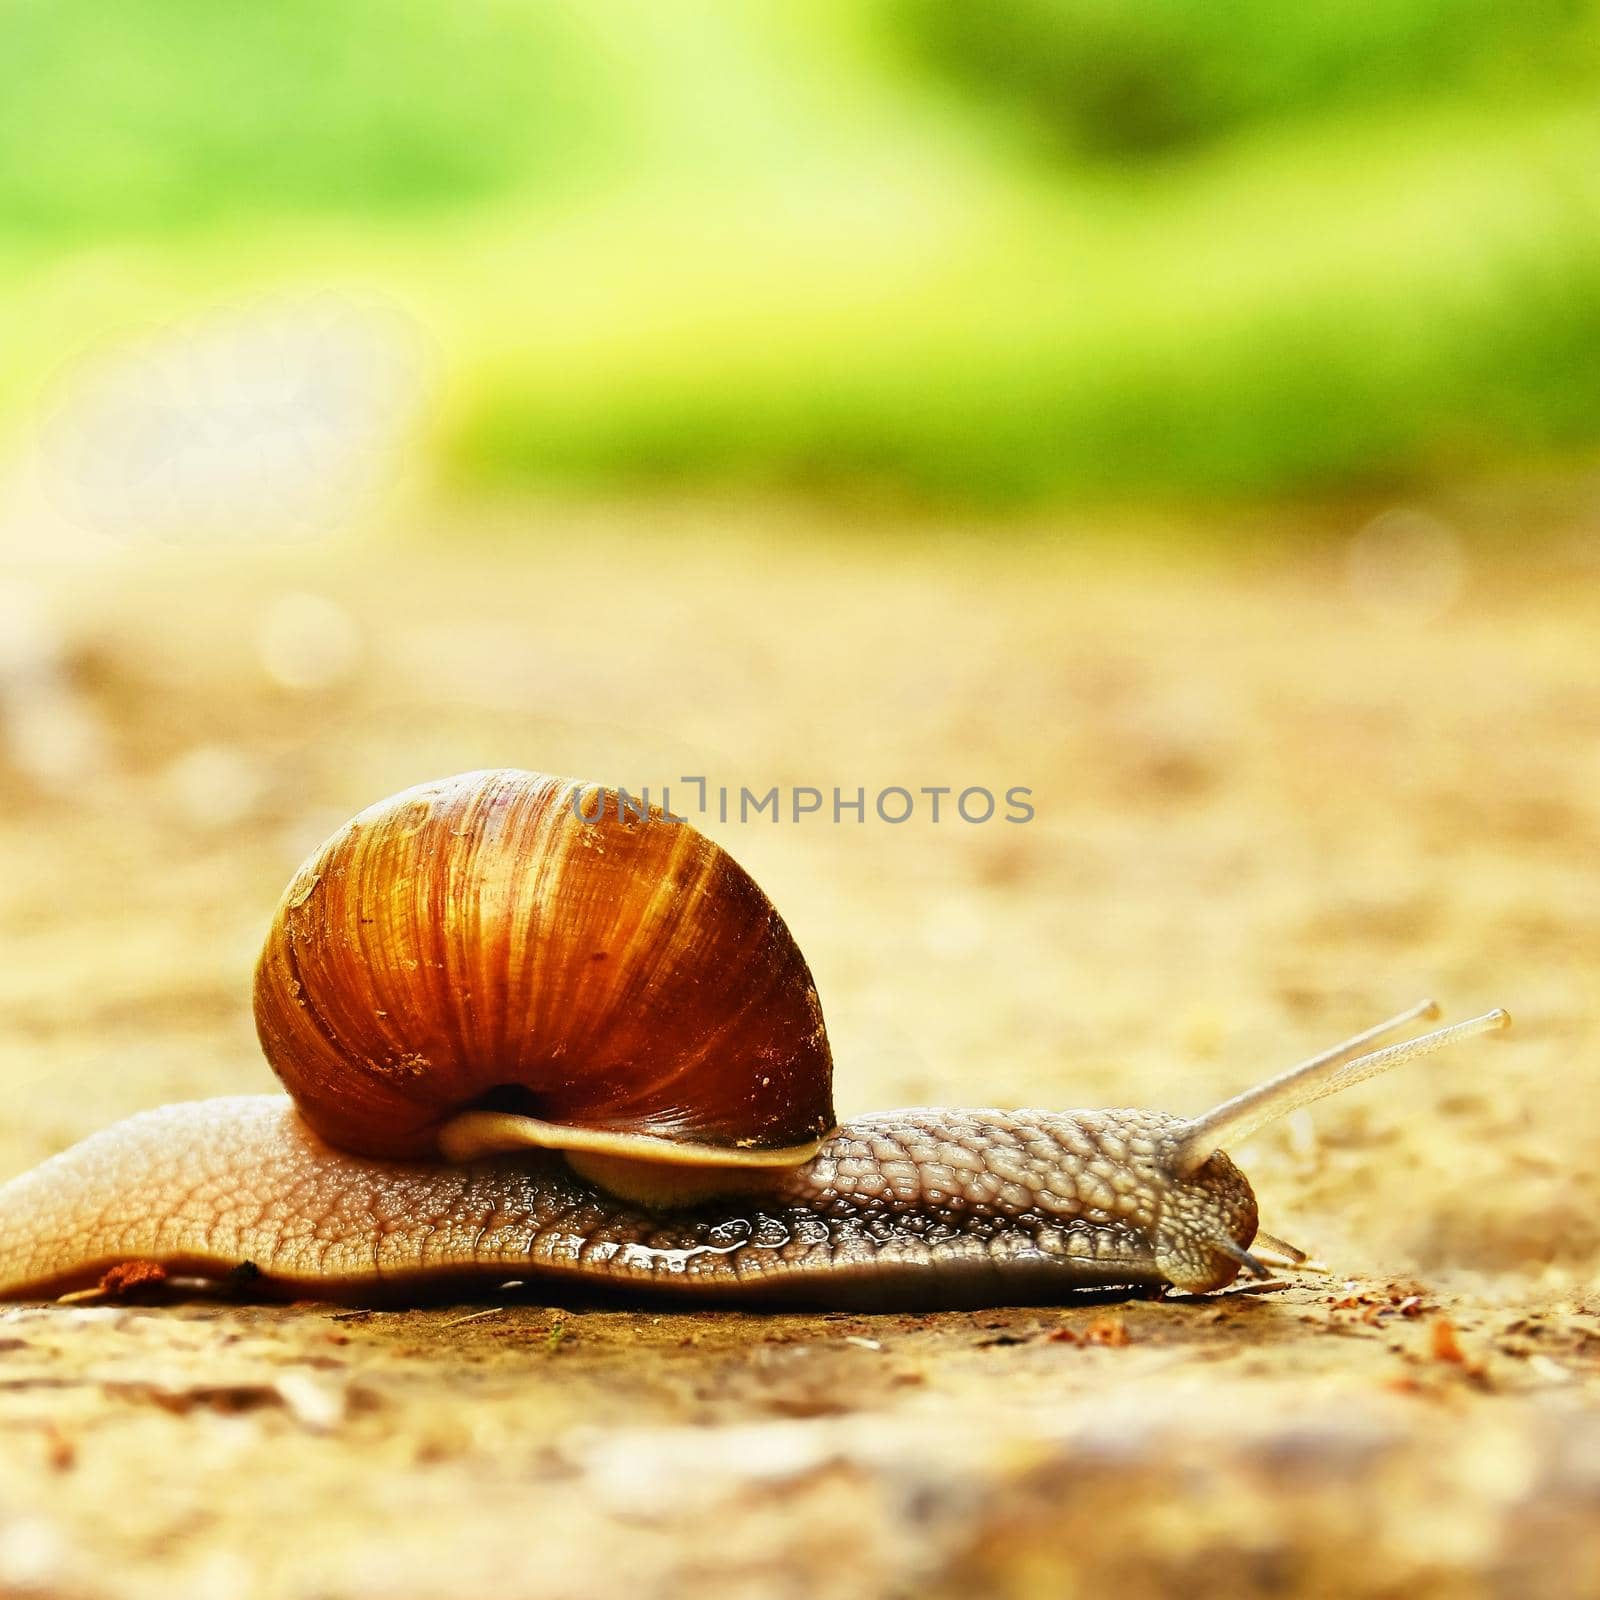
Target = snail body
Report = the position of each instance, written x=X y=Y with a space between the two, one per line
x=206 y=1186
x=529 y=1034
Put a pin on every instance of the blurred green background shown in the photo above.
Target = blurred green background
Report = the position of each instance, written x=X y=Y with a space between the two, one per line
x=990 y=254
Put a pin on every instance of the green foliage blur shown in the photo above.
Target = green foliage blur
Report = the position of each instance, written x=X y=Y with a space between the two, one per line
x=174 y=114
x=1096 y=78
x=990 y=253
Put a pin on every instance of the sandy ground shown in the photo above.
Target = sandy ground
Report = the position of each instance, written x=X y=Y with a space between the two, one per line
x=1279 y=794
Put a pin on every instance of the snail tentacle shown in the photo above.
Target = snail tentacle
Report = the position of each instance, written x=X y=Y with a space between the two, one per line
x=1331 y=1072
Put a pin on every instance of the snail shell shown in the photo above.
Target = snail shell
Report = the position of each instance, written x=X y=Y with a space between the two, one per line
x=617 y=985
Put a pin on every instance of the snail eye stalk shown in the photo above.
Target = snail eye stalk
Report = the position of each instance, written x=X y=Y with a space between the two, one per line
x=1331 y=1072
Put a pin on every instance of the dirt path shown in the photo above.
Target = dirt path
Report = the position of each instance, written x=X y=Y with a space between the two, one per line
x=1276 y=798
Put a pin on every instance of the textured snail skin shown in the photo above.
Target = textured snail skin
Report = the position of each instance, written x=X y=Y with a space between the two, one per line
x=926 y=1208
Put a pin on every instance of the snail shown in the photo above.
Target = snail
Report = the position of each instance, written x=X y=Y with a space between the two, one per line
x=530 y=1032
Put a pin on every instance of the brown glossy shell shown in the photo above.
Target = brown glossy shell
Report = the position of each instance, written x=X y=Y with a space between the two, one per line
x=472 y=943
